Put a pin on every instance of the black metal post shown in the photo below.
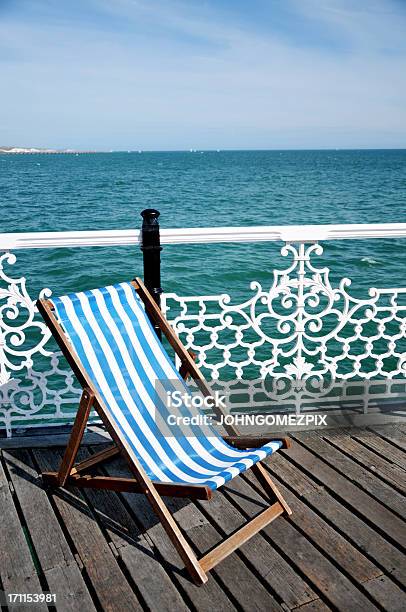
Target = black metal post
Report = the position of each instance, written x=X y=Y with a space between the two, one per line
x=151 y=251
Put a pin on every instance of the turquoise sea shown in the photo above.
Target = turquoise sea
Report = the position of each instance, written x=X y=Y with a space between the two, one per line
x=109 y=190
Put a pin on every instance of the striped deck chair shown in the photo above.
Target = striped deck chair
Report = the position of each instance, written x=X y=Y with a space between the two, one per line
x=108 y=339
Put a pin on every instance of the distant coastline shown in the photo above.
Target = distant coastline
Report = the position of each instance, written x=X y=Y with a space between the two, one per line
x=44 y=151
x=32 y=150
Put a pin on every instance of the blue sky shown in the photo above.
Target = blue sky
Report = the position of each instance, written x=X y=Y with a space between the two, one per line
x=180 y=74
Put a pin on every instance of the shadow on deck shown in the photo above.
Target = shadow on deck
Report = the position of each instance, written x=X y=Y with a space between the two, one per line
x=340 y=550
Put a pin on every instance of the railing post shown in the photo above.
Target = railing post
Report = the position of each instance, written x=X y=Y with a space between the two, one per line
x=151 y=251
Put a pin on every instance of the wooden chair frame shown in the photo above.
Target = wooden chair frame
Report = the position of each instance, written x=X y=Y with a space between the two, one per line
x=76 y=474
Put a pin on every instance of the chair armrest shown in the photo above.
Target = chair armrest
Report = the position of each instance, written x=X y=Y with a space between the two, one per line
x=246 y=442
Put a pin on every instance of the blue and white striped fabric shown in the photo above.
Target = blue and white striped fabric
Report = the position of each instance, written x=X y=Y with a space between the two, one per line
x=123 y=357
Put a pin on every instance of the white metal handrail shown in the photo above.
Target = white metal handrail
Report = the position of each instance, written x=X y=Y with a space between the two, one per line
x=195 y=235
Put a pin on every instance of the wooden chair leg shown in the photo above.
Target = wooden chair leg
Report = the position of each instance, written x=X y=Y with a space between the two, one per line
x=76 y=436
x=269 y=486
x=185 y=552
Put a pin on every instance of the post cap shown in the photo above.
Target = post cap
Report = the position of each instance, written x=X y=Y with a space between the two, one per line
x=149 y=214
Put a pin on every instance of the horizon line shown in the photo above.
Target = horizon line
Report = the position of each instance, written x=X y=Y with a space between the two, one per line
x=51 y=150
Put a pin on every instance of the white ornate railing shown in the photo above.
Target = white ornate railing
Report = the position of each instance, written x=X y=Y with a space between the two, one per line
x=289 y=344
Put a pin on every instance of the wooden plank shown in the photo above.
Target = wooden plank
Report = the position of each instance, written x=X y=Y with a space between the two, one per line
x=341 y=552
x=230 y=590
x=314 y=606
x=392 y=433
x=108 y=581
x=340 y=517
x=333 y=544
x=369 y=460
x=240 y=537
x=139 y=556
x=323 y=575
x=350 y=494
x=71 y=591
x=386 y=593
x=273 y=568
x=330 y=452
x=381 y=446
x=17 y=569
x=57 y=561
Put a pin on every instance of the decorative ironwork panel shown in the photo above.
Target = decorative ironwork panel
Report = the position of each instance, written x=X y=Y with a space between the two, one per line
x=36 y=386
x=300 y=343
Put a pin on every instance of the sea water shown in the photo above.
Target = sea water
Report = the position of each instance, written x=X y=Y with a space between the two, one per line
x=204 y=189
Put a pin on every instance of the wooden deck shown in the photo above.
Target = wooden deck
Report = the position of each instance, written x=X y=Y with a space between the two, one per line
x=340 y=550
